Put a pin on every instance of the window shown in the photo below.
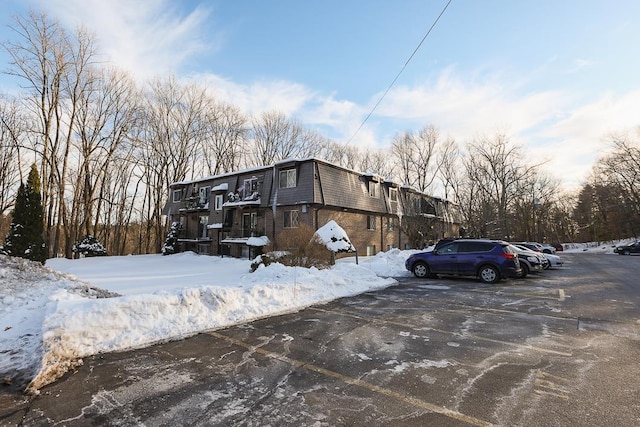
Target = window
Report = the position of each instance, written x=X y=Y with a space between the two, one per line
x=476 y=247
x=374 y=189
x=204 y=195
x=177 y=195
x=250 y=189
x=228 y=219
x=371 y=222
x=451 y=248
x=288 y=178
x=249 y=223
x=389 y=224
x=290 y=219
x=218 y=203
x=393 y=194
x=202 y=227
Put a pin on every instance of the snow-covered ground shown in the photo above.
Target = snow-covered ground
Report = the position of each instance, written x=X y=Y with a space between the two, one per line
x=51 y=317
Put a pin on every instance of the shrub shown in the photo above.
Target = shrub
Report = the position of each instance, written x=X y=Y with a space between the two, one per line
x=300 y=247
x=303 y=248
x=89 y=247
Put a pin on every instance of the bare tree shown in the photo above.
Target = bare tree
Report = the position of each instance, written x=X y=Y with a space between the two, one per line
x=224 y=146
x=53 y=67
x=450 y=172
x=376 y=161
x=416 y=157
x=622 y=167
x=609 y=203
x=275 y=137
x=175 y=128
x=107 y=113
x=11 y=133
x=495 y=175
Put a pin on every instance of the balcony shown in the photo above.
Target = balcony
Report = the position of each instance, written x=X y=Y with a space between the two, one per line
x=193 y=204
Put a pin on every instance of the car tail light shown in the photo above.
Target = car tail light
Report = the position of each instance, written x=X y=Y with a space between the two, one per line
x=508 y=255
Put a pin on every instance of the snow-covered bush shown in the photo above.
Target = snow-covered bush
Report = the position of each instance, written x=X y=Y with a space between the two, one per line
x=334 y=238
x=268 y=259
x=88 y=247
x=299 y=247
x=171 y=242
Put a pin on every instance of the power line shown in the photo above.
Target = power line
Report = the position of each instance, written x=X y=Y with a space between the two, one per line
x=400 y=72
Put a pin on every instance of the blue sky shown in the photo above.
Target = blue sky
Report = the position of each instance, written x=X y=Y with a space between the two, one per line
x=556 y=76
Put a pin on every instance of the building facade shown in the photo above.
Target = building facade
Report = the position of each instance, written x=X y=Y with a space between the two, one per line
x=238 y=213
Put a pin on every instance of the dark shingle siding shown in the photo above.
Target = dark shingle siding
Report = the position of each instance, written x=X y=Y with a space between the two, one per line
x=304 y=189
x=348 y=189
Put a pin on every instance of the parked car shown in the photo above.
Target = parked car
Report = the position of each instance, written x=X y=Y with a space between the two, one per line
x=547 y=248
x=440 y=243
x=544 y=261
x=538 y=247
x=633 y=248
x=530 y=261
x=487 y=260
x=558 y=246
x=554 y=260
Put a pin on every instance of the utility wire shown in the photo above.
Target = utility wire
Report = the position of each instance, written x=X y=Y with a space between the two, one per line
x=400 y=72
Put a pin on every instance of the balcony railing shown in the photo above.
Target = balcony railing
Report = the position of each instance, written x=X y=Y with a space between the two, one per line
x=193 y=204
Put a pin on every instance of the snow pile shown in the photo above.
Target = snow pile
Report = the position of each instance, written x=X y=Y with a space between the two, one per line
x=334 y=238
x=25 y=291
x=597 y=247
x=385 y=264
x=49 y=320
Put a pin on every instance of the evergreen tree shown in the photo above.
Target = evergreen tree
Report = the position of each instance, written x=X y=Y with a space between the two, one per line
x=89 y=247
x=25 y=238
x=171 y=242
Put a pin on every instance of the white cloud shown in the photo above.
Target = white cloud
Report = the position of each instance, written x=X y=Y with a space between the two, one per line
x=256 y=97
x=579 y=139
x=147 y=38
x=465 y=107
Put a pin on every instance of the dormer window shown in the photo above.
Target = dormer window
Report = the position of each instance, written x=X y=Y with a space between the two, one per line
x=204 y=195
x=393 y=194
x=374 y=189
x=251 y=189
x=287 y=178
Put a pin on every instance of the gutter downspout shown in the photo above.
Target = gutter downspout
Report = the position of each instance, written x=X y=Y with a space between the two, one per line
x=273 y=206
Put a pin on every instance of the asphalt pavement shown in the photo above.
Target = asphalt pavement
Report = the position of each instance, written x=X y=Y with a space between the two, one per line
x=555 y=349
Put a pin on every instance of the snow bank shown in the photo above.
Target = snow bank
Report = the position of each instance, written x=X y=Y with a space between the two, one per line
x=52 y=320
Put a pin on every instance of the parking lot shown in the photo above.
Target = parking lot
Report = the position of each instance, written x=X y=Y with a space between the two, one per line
x=556 y=349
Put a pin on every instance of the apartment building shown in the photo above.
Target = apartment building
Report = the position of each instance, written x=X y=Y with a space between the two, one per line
x=238 y=213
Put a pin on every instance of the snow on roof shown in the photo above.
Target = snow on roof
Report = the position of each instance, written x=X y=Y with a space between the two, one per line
x=221 y=187
x=240 y=240
x=258 y=241
x=242 y=203
x=334 y=238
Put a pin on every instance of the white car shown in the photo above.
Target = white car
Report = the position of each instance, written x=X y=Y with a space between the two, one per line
x=547 y=248
x=544 y=262
x=554 y=260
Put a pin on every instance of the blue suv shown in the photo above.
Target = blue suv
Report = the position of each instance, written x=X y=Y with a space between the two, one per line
x=488 y=260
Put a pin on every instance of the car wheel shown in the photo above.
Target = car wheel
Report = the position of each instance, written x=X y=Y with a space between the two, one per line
x=421 y=270
x=547 y=265
x=489 y=274
x=525 y=270
x=626 y=252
